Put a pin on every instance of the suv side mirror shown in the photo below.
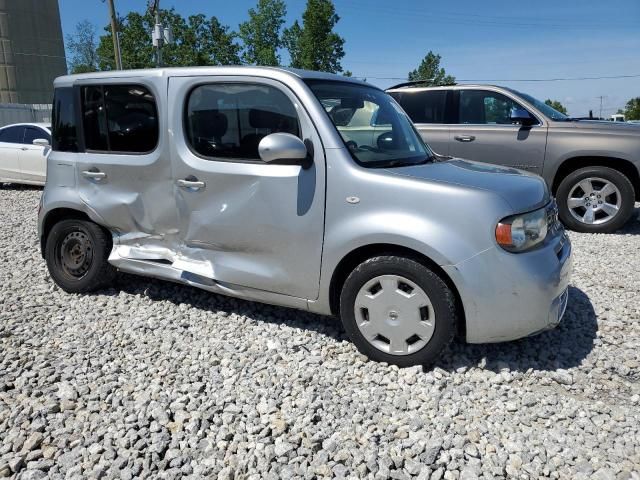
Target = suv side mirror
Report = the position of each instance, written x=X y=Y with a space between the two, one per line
x=41 y=142
x=285 y=148
x=520 y=115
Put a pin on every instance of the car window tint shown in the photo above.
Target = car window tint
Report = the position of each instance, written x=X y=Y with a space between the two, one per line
x=64 y=136
x=485 y=107
x=94 y=119
x=424 y=106
x=119 y=118
x=229 y=120
x=132 y=118
x=31 y=133
x=12 y=134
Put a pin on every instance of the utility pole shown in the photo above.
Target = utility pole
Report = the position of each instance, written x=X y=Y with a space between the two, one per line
x=114 y=34
x=161 y=35
x=601 y=97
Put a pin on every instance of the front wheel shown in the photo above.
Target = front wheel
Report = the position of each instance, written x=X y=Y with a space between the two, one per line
x=396 y=310
x=76 y=253
x=595 y=200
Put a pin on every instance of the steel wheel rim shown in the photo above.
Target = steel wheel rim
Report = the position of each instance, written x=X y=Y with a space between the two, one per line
x=76 y=254
x=594 y=201
x=394 y=315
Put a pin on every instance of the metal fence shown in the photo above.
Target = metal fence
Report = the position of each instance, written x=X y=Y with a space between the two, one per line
x=19 y=113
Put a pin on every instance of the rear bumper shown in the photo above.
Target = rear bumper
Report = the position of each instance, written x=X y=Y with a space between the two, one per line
x=508 y=296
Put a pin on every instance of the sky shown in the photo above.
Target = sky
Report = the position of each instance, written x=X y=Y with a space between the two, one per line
x=488 y=41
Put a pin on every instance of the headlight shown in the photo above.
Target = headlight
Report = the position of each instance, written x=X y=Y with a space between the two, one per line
x=520 y=233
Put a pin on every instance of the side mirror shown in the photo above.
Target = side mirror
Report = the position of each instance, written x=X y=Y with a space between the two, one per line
x=284 y=148
x=385 y=141
x=41 y=142
x=520 y=115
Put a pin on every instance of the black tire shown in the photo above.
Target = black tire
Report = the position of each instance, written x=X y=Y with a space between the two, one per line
x=86 y=268
x=441 y=296
x=622 y=183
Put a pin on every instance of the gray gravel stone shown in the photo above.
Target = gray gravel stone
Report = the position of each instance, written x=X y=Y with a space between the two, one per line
x=150 y=379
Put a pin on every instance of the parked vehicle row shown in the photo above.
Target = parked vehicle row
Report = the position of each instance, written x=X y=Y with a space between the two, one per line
x=23 y=153
x=301 y=189
x=591 y=167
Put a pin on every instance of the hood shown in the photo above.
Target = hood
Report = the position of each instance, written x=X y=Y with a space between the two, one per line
x=620 y=128
x=523 y=191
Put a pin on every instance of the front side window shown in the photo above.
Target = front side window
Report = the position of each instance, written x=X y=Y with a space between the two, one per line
x=12 y=134
x=372 y=125
x=33 y=133
x=64 y=134
x=425 y=106
x=480 y=107
x=119 y=118
x=228 y=120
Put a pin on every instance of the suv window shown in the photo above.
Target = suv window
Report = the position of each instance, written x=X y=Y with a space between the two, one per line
x=423 y=107
x=31 y=133
x=12 y=134
x=229 y=120
x=479 y=107
x=119 y=118
x=63 y=124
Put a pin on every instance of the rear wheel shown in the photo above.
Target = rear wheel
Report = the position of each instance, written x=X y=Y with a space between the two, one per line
x=396 y=310
x=595 y=200
x=76 y=253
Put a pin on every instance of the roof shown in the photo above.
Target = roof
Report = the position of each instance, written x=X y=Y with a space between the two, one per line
x=209 y=70
x=46 y=125
x=412 y=88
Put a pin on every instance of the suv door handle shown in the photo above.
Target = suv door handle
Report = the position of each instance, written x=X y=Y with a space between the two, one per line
x=465 y=138
x=190 y=183
x=94 y=174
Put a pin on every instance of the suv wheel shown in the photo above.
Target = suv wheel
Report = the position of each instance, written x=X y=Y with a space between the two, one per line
x=595 y=200
x=396 y=310
x=76 y=253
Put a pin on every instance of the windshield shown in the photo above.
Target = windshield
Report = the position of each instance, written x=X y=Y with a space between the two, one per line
x=372 y=125
x=548 y=111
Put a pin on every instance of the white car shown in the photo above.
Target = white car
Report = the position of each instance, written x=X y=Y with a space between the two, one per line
x=24 y=148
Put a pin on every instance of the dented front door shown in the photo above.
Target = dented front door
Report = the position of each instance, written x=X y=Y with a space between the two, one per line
x=241 y=221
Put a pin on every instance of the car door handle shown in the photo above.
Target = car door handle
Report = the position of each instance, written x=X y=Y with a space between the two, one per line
x=190 y=183
x=94 y=174
x=465 y=138
x=23 y=148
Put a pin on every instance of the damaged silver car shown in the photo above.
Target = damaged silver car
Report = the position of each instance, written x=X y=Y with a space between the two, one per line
x=300 y=189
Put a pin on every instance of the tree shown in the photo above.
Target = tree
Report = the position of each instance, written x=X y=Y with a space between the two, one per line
x=261 y=33
x=556 y=105
x=632 y=109
x=315 y=46
x=197 y=41
x=430 y=73
x=81 y=47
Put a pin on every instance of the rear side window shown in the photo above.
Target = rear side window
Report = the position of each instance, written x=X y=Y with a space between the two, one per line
x=12 y=134
x=229 y=120
x=424 y=106
x=119 y=118
x=64 y=131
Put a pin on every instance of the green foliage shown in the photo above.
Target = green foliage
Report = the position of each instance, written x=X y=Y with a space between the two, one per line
x=632 y=109
x=430 y=73
x=81 y=48
x=556 y=105
x=315 y=46
x=261 y=33
x=197 y=41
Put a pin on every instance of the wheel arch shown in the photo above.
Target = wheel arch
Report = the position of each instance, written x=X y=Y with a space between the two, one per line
x=56 y=215
x=572 y=164
x=355 y=257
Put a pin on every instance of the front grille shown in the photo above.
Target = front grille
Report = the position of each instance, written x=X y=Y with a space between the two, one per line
x=553 y=223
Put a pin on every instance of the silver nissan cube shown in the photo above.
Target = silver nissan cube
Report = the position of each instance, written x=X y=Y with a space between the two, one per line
x=301 y=189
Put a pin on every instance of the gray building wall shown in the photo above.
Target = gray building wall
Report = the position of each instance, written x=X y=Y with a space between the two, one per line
x=31 y=50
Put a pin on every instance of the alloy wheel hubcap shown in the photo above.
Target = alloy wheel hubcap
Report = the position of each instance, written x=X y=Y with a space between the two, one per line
x=394 y=314
x=594 y=201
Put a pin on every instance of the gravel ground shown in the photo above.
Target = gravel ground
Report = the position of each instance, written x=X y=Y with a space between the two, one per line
x=156 y=380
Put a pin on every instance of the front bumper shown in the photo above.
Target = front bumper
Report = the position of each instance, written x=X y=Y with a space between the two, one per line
x=513 y=295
